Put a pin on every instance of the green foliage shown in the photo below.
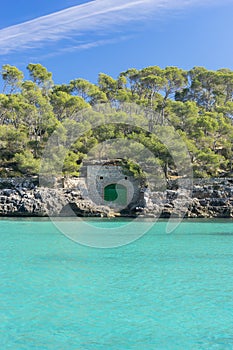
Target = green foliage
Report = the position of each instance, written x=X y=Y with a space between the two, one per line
x=11 y=142
x=12 y=77
x=26 y=163
x=65 y=105
x=70 y=166
x=197 y=103
x=40 y=76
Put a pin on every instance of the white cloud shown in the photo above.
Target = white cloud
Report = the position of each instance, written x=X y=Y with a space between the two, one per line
x=99 y=16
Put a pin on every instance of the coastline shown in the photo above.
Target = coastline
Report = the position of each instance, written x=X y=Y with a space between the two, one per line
x=23 y=197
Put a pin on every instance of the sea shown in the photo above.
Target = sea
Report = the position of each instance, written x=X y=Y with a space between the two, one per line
x=161 y=289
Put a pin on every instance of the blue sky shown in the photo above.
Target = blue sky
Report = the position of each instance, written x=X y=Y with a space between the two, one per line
x=76 y=38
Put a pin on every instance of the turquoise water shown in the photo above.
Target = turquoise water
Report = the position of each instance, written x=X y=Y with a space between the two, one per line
x=160 y=292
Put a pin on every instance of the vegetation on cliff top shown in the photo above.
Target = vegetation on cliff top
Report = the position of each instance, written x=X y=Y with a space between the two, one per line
x=198 y=103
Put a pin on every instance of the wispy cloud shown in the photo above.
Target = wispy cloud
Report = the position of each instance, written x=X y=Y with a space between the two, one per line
x=98 y=16
x=83 y=46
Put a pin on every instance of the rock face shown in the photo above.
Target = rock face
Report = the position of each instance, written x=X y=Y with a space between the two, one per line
x=208 y=198
x=25 y=198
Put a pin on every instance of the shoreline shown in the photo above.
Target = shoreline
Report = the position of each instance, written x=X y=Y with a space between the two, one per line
x=116 y=219
x=209 y=198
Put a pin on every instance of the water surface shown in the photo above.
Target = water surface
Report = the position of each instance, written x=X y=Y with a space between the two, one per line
x=163 y=291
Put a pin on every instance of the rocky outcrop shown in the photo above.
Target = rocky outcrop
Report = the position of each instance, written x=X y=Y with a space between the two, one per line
x=27 y=199
x=208 y=198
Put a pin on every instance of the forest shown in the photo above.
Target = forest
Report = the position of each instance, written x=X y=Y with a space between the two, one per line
x=198 y=103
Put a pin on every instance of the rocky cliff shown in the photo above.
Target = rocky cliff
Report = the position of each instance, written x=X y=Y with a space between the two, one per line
x=24 y=197
x=208 y=198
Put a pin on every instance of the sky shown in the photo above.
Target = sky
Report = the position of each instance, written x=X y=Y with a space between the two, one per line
x=74 y=38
